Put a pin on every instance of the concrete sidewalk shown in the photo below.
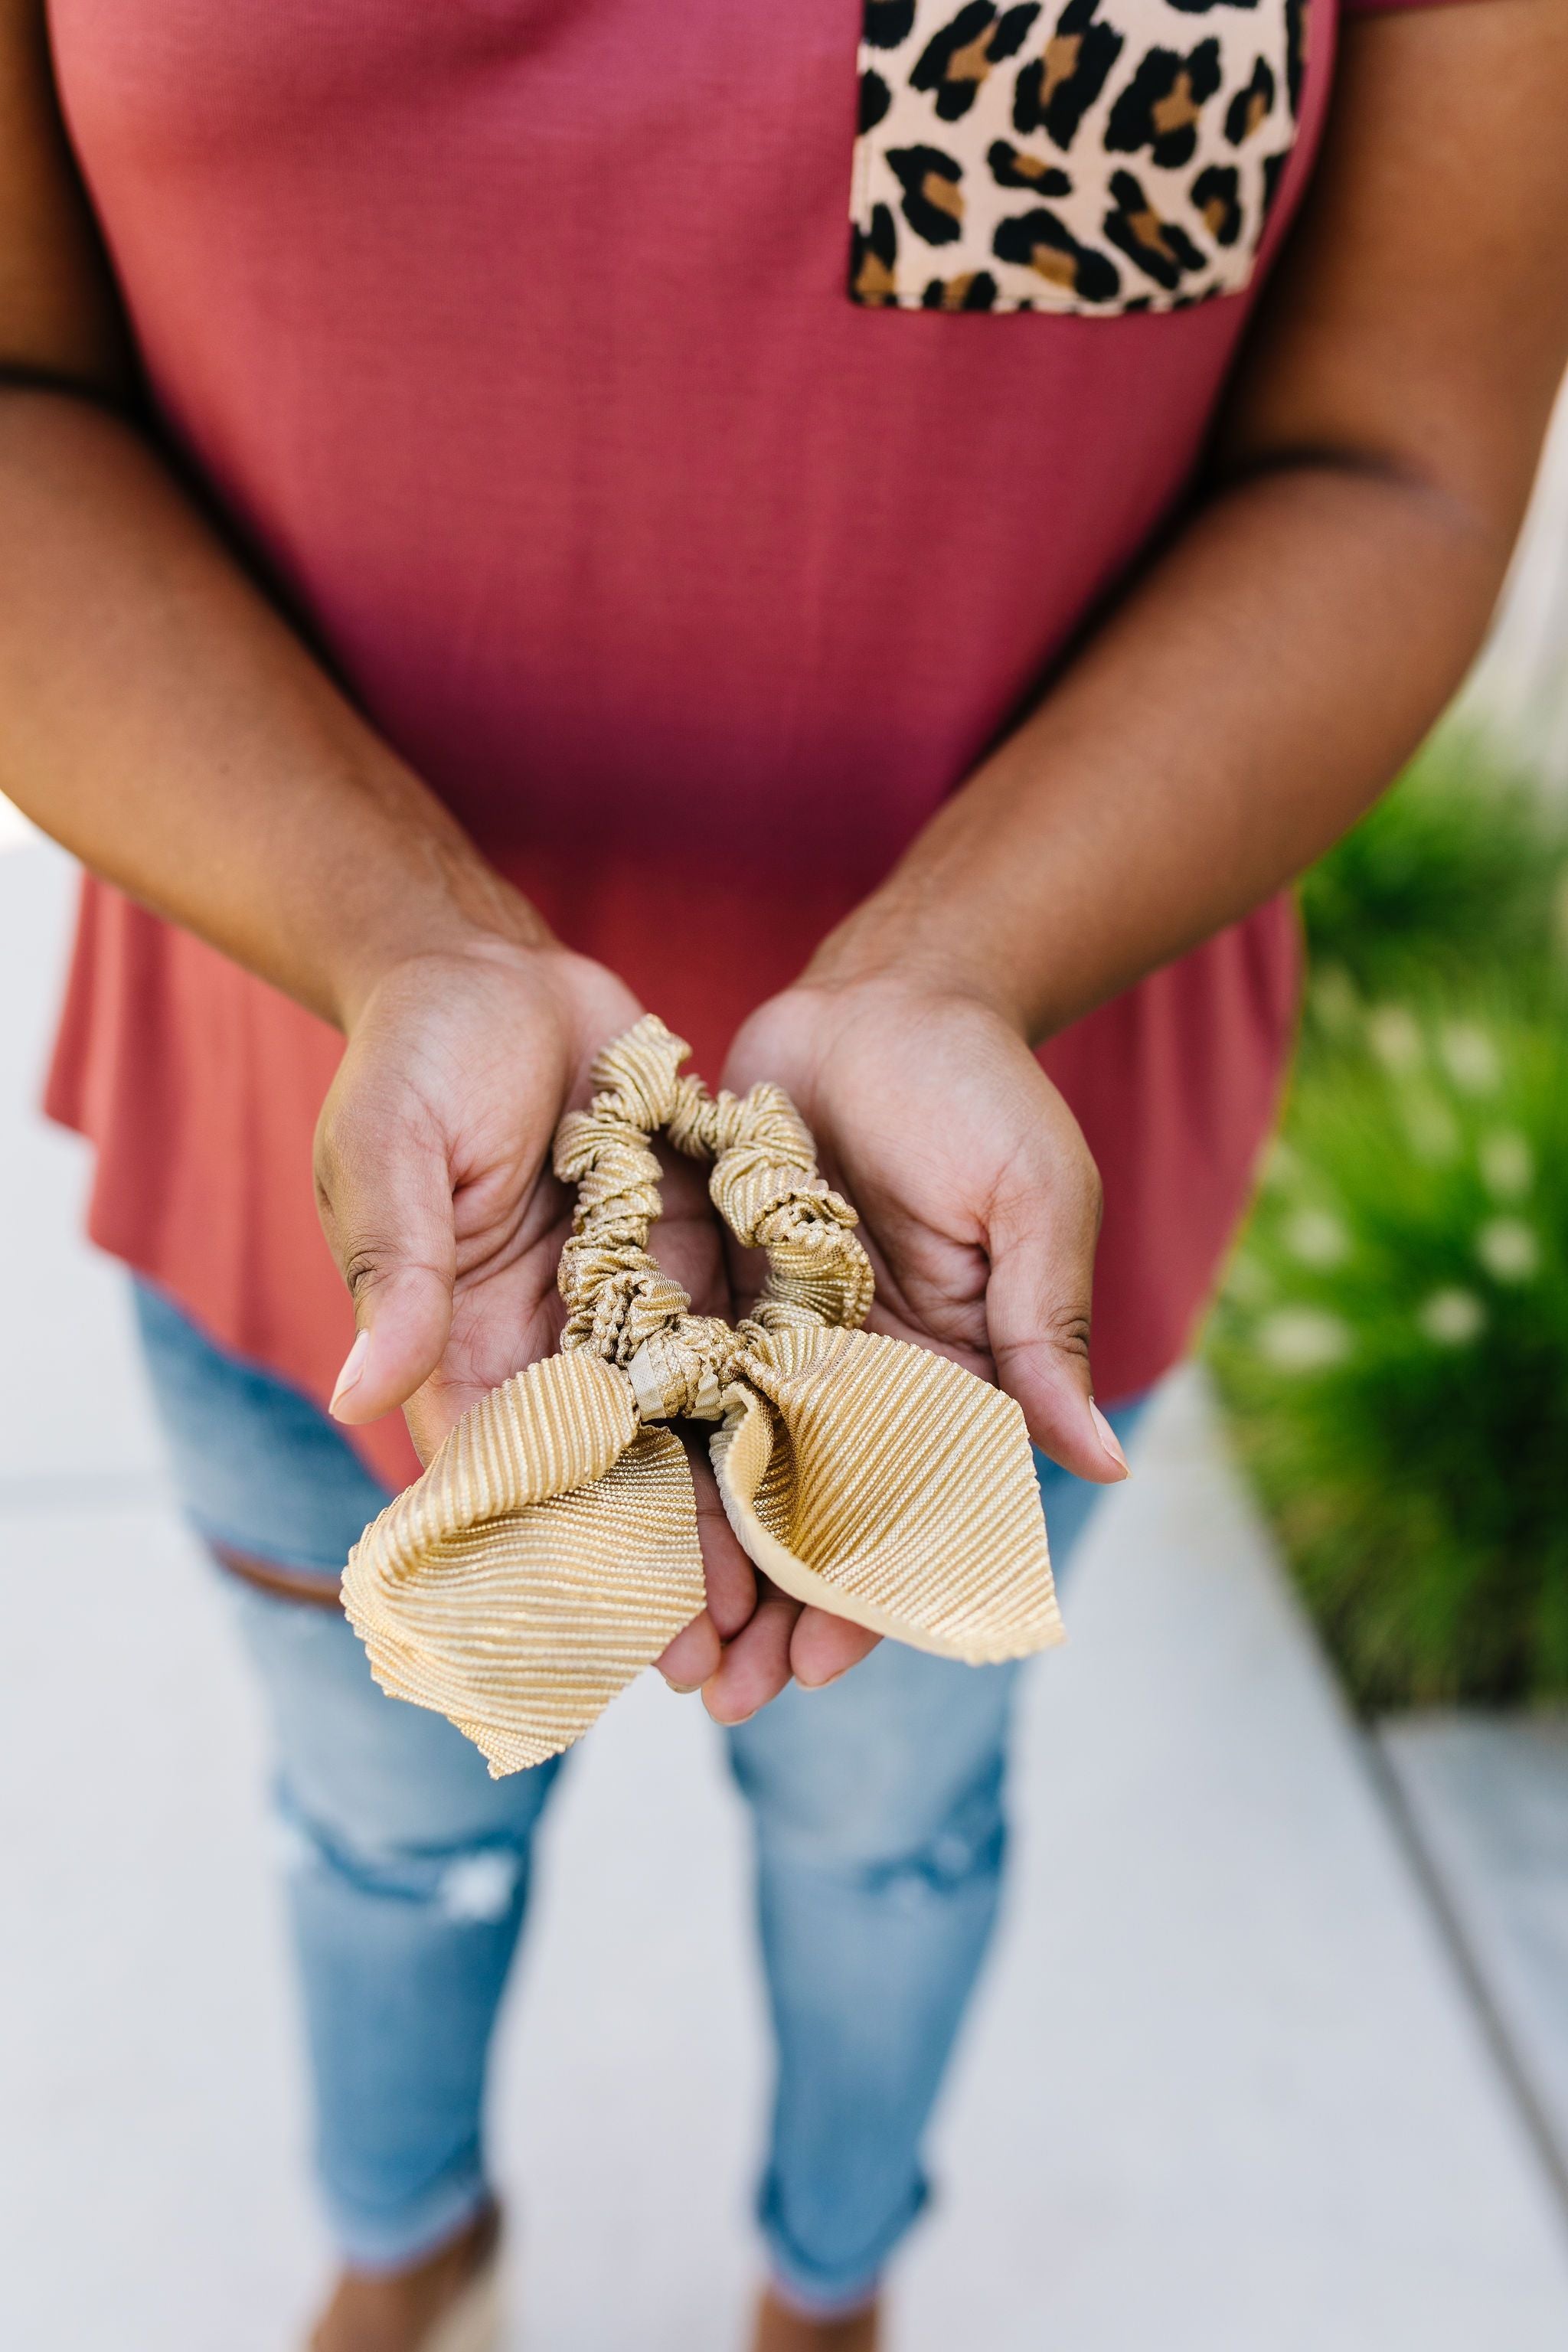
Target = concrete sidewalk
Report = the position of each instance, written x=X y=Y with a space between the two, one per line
x=1226 y=2093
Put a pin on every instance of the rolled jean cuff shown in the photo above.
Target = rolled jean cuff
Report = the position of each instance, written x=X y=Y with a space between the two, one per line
x=818 y=2291
x=395 y=2241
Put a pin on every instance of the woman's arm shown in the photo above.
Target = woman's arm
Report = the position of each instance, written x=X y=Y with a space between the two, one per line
x=159 y=717
x=1248 y=698
x=156 y=714
x=1265 y=680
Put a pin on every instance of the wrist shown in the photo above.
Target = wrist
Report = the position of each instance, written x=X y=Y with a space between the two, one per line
x=511 y=985
x=470 y=916
x=886 y=949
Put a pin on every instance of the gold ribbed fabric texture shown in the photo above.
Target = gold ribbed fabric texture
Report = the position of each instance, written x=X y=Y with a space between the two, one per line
x=550 y=1551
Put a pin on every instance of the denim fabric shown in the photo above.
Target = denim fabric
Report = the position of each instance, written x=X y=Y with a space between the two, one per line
x=879 y=1836
x=258 y=1465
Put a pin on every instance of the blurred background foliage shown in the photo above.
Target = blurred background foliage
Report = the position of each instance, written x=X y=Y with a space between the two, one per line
x=1391 y=1339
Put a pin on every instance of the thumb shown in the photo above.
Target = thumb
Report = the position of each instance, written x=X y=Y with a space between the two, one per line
x=1042 y=1241
x=385 y=1203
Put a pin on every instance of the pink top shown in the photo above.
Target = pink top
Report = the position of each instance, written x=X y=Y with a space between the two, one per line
x=515 y=337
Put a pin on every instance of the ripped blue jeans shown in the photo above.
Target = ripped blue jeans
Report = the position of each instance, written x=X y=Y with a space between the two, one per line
x=876 y=1806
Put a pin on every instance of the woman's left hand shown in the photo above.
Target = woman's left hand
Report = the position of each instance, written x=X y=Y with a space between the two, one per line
x=979 y=1206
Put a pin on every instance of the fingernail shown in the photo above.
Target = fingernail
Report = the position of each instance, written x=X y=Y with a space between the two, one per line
x=681 y=1690
x=1107 y=1438
x=821 y=1680
x=353 y=1365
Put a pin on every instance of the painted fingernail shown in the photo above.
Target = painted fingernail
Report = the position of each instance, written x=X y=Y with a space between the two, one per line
x=353 y=1365
x=1107 y=1438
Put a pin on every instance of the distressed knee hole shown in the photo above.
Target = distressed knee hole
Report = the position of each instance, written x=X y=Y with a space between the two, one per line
x=479 y=1887
x=943 y=1865
x=968 y=1845
x=471 y=1886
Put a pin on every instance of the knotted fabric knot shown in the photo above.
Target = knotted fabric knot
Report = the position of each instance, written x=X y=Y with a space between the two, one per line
x=682 y=1373
x=550 y=1551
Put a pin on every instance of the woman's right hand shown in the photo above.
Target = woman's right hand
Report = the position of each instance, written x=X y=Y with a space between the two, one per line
x=434 y=1180
x=434 y=1185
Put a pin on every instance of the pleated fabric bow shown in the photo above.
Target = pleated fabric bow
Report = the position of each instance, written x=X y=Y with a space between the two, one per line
x=550 y=1551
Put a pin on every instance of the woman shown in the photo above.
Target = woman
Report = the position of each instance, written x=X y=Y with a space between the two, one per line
x=476 y=565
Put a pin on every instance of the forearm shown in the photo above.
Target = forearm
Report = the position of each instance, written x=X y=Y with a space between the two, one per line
x=1234 y=716
x=1271 y=671
x=159 y=718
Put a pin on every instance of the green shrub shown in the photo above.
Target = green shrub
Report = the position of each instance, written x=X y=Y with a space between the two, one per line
x=1456 y=874
x=1392 y=1343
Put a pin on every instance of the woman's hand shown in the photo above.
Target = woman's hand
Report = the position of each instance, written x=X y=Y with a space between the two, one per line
x=433 y=1171
x=979 y=1207
x=434 y=1180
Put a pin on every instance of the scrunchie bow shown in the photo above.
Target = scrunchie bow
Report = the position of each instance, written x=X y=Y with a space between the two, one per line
x=550 y=1551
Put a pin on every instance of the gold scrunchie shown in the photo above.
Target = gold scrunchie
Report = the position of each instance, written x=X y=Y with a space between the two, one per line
x=550 y=1551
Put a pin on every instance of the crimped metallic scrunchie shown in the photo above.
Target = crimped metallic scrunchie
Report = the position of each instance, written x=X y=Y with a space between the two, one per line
x=550 y=1551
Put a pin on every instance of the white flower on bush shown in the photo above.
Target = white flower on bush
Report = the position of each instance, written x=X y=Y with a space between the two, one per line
x=1316 y=1238
x=1507 y=1164
x=1509 y=1249
x=1433 y=1130
x=1334 y=998
x=1395 y=1036
x=1470 y=1057
x=1452 y=1317
x=1246 y=1281
x=1303 y=1339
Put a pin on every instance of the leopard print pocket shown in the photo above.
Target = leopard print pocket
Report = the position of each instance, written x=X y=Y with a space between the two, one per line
x=1093 y=156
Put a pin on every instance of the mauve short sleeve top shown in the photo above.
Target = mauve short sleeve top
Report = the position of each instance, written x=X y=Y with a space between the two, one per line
x=691 y=430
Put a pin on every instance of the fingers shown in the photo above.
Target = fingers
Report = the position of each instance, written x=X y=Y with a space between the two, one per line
x=782 y=1642
x=731 y=1579
x=755 y=1665
x=697 y=1652
x=1042 y=1237
x=751 y=1640
x=693 y=1657
x=386 y=1207
x=822 y=1647
x=738 y=1650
